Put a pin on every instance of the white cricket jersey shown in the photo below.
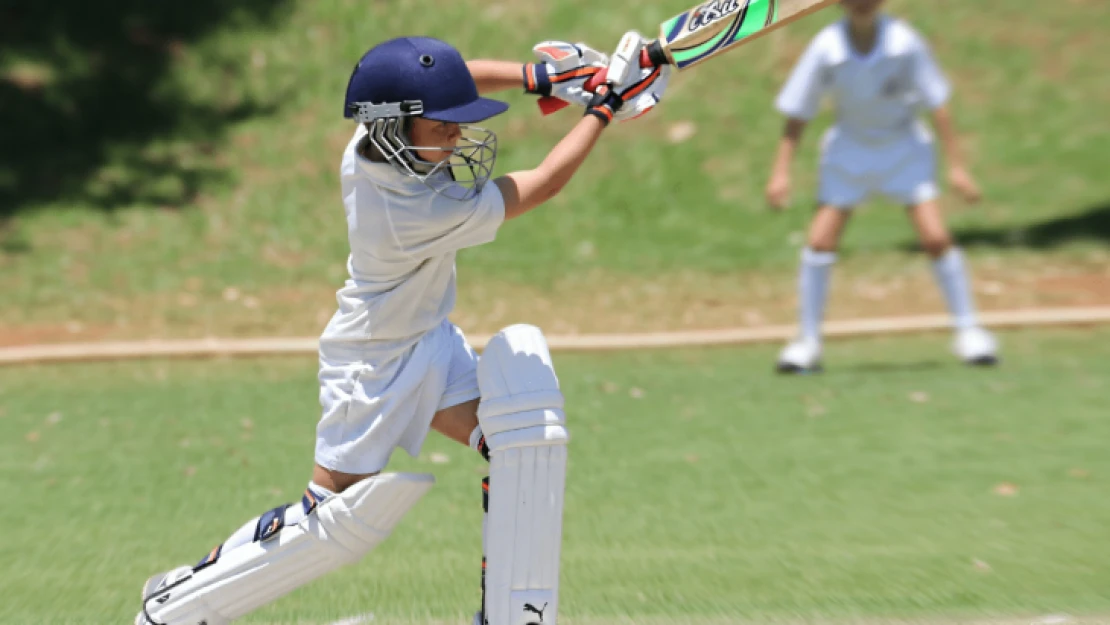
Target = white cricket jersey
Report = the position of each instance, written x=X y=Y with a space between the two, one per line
x=403 y=239
x=877 y=96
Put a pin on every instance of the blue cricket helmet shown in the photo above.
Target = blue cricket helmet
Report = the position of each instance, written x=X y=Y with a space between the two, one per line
x=423 y=76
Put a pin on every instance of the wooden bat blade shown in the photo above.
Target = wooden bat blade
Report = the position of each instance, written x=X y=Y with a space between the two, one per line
x=719 y=25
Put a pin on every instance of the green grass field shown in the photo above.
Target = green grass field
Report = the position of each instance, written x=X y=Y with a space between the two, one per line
x=702 y=488
x=171 y=171
x=174 y=171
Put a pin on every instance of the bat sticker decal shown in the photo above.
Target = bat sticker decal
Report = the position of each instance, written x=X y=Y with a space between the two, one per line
x=745 y=18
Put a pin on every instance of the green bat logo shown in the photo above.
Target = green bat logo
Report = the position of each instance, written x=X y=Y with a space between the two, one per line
x=713 y=12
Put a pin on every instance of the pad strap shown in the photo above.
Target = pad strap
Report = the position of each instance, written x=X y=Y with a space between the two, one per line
x=228 y=584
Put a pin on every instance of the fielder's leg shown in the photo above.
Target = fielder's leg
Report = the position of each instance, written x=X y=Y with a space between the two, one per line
x=804 y=354
x=282 y=551
x=973 y=344
x=521 y=415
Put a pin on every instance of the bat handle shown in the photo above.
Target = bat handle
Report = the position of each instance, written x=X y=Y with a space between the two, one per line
x=599 y=78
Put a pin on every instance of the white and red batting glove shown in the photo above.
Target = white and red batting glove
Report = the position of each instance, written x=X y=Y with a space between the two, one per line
x=562 y=70
x=638 y=94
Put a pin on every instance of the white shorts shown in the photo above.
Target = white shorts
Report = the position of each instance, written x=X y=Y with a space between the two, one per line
x=369 y=409
x=903 y=170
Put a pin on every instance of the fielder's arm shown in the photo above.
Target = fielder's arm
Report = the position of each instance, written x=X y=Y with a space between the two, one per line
x=942 y=121
x=778 y=187
x=958 y=174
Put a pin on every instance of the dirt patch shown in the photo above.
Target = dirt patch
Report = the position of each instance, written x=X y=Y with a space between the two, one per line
x=73 y=331
x=1080 y=289
x=594 y=303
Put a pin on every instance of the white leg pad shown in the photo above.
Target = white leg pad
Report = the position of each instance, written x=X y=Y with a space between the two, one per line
x=521 y=414
x=341 y=530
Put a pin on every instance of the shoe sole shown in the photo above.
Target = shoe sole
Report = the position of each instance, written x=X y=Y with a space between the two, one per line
x=788 y=368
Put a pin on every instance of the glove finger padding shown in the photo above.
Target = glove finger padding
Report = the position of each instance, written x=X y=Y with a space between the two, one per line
x=591 y=56
x=642 y=91
x=567 y=68
x=563 y=56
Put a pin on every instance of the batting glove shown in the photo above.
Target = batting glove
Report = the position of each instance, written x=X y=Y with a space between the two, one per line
x=562 y=70
x=635 y=97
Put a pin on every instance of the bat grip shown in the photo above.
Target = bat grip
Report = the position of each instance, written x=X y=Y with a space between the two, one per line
x=599 y=78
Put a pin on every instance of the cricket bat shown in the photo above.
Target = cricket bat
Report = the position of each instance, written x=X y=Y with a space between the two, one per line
x=703 y=32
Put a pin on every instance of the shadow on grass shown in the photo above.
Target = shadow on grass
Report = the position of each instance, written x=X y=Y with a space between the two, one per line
x=92 y=110
x=1091 y=224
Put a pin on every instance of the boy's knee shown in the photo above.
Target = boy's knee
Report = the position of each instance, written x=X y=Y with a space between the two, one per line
x=937 y=245
x=824 y=231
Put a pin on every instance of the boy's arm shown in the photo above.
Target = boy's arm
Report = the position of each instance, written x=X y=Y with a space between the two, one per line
x=799 y=100
x=935 y=91
x=561 y=69
x=525 y=190
x=958 y=175
x=778 y=187
x=494 y=76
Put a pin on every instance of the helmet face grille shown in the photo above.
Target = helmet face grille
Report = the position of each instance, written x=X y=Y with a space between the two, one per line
x=460 y=176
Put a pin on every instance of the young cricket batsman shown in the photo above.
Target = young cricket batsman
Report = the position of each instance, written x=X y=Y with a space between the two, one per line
x=416 y=188
x=881 y=74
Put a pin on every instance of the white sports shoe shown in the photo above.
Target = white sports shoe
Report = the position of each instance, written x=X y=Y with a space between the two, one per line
x=976 y=346
x=801 y=356
x=156 y=583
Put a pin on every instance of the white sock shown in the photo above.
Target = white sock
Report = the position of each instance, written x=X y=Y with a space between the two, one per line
x=952 y=278
x=813 y=290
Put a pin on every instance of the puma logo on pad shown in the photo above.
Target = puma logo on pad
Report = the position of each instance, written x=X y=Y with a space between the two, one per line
x=528 y=607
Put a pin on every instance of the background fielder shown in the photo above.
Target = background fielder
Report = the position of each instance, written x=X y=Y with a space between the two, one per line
x=881 y=73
